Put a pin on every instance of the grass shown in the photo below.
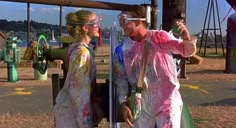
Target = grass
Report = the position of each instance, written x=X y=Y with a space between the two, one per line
x=213 y=116
x=26 y=120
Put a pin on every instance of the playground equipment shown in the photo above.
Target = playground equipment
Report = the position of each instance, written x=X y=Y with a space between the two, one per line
x=39 y=62
x=44 y=54
x=10 y=54
x=212 y=10
x=34 y=52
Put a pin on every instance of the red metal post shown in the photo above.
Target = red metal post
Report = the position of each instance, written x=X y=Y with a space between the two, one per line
x=100 y=37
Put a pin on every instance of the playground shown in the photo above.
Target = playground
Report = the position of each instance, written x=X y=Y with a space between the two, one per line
x=27 y=98
x=208 y=92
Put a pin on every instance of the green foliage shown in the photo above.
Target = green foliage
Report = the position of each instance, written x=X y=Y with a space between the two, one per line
x=22 y=25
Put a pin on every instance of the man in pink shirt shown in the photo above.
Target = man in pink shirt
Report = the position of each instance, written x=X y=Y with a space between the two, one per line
x=161 y=101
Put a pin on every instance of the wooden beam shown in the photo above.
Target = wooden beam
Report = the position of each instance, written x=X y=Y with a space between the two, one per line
x=78 y=3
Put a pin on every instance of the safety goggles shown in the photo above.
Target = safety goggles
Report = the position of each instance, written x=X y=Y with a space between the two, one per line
x=95 y=22
x=124 y=19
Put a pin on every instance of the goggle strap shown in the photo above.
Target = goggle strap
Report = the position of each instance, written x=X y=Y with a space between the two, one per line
x=143 y=19
x=81 y=23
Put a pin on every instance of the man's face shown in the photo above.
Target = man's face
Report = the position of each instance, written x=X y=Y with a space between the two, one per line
x=128 y=26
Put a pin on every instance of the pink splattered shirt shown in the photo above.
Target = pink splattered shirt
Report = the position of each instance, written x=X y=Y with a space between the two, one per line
x=160 y=76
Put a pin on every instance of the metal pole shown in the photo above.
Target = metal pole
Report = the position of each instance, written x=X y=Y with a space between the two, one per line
x=208 y=26
x=218 y=18
x=214 y=24
x=203 y=30
x=154 y=14
x=60 y=19
x=55 y=87
x=28 y=22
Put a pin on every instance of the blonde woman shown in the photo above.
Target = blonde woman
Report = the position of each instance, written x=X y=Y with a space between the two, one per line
x=73 y=103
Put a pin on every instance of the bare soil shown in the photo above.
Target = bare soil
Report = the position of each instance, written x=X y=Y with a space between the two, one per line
x=211 y=116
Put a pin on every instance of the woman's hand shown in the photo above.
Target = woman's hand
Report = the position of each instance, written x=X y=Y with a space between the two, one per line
x=127 y=115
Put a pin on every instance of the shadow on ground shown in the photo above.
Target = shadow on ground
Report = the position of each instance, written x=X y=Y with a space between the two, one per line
x=208 y=71
x=223 y=102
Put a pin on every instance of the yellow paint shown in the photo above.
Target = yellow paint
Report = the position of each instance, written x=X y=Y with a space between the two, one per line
x=16 y=93
x=196 y=88
x=10 y=94
x=23 y=93
x=19 y=89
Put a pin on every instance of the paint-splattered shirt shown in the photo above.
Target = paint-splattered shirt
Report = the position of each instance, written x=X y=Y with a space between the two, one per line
x=160 y=75
x=80 y=76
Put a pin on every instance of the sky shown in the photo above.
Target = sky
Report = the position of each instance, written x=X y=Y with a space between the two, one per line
x=195 y=13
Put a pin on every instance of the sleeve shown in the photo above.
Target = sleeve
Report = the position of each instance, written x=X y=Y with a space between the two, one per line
x=80 y=87
x=178 y=46
x=184 y=48
x=119 y=75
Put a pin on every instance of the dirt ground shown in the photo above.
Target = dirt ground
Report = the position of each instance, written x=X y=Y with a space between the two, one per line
x=214 y=105
x=212 y=68
x=207 y=83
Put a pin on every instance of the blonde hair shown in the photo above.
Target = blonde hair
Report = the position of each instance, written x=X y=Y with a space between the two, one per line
x=75 y=21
